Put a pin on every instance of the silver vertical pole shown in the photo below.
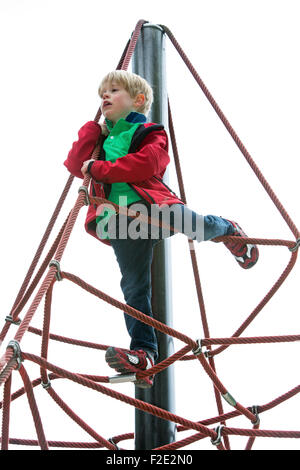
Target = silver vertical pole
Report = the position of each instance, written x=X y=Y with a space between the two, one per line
x=149 y=61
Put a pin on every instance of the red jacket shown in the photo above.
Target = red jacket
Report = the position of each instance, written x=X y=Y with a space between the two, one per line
x=142 y=168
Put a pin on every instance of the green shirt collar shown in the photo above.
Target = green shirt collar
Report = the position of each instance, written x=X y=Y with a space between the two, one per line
x=132 y=118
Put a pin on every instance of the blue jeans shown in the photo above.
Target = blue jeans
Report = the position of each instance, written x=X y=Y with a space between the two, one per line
x=134 y=257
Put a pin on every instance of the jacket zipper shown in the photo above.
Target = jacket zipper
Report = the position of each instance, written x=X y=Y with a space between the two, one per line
x=162 y=182
x=150 y=197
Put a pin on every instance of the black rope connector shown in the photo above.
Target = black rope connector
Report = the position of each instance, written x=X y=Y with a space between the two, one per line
x=56 y=263
x=218 y=439
x=254 y=410
x=295 y=248
x=113 y=443
x=85 y=190
x=14 y=344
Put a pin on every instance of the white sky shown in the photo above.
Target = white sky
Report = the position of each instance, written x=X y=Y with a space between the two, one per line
x=53 y=56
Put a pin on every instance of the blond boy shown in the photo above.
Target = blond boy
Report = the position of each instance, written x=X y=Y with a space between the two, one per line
x=129 y=172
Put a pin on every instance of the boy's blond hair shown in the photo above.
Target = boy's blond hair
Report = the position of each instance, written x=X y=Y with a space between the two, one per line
x=133 y=84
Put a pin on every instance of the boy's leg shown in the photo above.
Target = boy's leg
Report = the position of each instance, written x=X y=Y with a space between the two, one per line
x=134 y=258
x=195 y=226
x=200 y=228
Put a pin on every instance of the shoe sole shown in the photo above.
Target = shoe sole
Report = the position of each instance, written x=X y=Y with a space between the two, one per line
x=112 y=361
x=249 y=262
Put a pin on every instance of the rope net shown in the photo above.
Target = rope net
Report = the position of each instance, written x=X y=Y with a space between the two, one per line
x=16 y=359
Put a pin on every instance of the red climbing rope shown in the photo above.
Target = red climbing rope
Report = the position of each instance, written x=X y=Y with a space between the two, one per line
x=15 y=359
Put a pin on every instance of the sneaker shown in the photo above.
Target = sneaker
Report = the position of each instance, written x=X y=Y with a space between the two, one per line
x=245 y=254
x=127 y=361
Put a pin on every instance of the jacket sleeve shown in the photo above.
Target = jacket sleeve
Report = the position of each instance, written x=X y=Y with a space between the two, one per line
x=82 y=149
x=150 y=159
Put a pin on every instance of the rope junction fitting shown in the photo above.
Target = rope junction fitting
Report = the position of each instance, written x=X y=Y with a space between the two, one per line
x=16 y=352
x=56 y=263
x=197 y=351
x=295 y=248
x=10 y=319
x=87 y=197
x=218 y=440
x=205 y=360
x=113 y=442
x=254 y=410
x=47 y=384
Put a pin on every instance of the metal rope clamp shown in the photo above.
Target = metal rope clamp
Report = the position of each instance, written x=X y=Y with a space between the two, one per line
x=47 y=384
x=87 y=201
x=254 y=410
x=113 y=443
x=14 y=344
x=56 y=263
x=295 y=248
x=11 y=320
x=197 y=351
x=218 y=439
x=207 y=354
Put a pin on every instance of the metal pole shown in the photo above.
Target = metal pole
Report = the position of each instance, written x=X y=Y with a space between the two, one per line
x=149 y=62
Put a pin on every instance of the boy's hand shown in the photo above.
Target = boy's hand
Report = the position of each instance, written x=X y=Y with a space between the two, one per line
x=85 y=166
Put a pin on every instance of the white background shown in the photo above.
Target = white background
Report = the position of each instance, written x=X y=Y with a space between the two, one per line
x=53 y=55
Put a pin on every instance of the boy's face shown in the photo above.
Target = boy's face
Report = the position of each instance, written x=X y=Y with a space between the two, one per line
x=116 y=102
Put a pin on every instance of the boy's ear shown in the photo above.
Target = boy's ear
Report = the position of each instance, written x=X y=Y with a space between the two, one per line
x=139 y=100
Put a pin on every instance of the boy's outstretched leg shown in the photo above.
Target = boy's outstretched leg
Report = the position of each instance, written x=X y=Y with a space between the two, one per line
x=209 y=227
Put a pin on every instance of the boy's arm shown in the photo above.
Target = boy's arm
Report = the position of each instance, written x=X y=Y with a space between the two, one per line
x=149 y=160
x=82 y=149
